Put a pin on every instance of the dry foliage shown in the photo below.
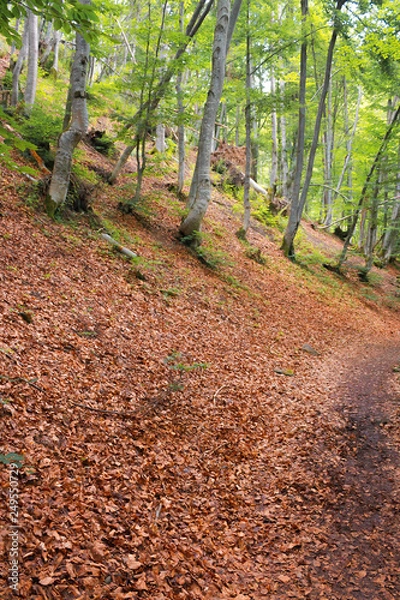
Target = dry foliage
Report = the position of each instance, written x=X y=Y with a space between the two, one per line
x=178 y=441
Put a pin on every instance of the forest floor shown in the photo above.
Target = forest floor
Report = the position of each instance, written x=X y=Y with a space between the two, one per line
x=195 y=427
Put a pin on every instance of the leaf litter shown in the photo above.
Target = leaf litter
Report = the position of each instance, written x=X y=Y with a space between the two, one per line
x=226 y=481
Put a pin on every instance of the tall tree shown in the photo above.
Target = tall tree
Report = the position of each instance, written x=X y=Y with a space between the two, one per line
x=200 y=189
x=367 y=183
x=158 y=90
x=33 y=58
x=287 y=244
x=78 y=125
x=297 y=205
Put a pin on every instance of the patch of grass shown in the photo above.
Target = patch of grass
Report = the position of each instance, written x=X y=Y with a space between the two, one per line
x=255 y=254
x=234 y=282
x=367 y=294
x=171 y=292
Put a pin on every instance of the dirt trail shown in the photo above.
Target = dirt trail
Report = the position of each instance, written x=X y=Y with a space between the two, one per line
x=362 y=557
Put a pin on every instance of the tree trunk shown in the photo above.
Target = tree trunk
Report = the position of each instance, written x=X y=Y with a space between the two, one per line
x=201 y=11
x=284 y=158
x=33 y=57
x=19 y=64
x=57 y=40
x=160 y=138
x=47 y=44
x=393 y=227
x=200 y=189
x=71 y=137
x=248 y=111
x=349 y=144
x=372 y=227
x=291 y=229
x=376 y=162
x=181 y=110
x=328 y=159
x=297 y=206
x=273 y=177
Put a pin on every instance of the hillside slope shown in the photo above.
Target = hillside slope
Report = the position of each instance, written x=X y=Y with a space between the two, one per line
x=179 y=432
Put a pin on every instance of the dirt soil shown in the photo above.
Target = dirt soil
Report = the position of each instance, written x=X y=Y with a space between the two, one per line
x=189 y=432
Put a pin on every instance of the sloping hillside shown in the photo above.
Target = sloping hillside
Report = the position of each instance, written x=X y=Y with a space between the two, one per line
x=182 y=419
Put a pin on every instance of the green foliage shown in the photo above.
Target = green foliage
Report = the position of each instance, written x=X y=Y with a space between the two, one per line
x=42 y=129
x=67 y=15
x=12 y=457
x=174 y=361
x=255 y=254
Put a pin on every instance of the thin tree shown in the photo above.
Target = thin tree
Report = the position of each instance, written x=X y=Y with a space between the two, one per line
x=287 y=244
x=248 y=119
x=366 y=185
x=19 y=64
x=298 y=203
x=33 y=58
x=201 y=11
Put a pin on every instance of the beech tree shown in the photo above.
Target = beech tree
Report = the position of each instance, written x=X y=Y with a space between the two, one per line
x=298 y=202
x=200 y=189
x=78 y=124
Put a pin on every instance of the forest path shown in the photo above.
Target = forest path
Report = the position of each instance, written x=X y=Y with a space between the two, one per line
x=362 y=555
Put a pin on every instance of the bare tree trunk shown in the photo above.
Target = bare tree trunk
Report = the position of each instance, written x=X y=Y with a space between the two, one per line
x=47 y=44
x=160 y=138
x=291 y=229
x=392 y=232
x=71 y=137
x=284 y=158
x=248 y=111
x=19 y=64
x=375 y=164
x=201 y=11
x=200 y=189
x=328 y=159
x=33 y=57
x=57 y=41
x=297 y=207
x=273 y=177
x=181 y=127
x=349 y=144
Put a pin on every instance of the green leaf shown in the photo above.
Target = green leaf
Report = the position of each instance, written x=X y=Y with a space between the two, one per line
x=12 y=457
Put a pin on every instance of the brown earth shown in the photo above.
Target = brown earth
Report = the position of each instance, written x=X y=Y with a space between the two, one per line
x=178 y=441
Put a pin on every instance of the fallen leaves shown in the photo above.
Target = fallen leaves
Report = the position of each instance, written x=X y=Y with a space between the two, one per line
x=143 y=481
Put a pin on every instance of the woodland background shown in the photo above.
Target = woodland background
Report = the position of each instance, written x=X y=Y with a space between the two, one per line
x=194 y=415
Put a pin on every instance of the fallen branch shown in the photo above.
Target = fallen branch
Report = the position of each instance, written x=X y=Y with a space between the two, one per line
x=30 y=382
x=217 y=392
x=117 y=246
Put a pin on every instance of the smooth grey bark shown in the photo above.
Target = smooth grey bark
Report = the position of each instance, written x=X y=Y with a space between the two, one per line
x=160 y=138
x=248 y=111
x=181 y=110
x=298 y=204
x=77 y=127
x=56 y=49
x=392 y=232
x=33 y=58
x=328 y=160
x=366 y=185
x=287 y=243
x=19 y=64
x=372 y=232
x=349 y=145
x=284 y=153
x=273 y=177
x=47 y=44
x=201 y=11
x=200 y=189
